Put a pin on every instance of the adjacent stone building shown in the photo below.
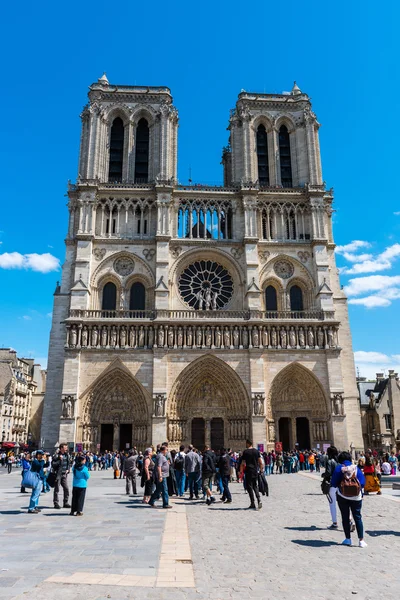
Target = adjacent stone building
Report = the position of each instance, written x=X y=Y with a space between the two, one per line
x=380 y=411
x=21 y=381
x=196 y=313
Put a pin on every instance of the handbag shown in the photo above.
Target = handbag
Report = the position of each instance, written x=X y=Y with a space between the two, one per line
x=51 y=479
x=325 y=486
x=116 y=473
x=29 y=479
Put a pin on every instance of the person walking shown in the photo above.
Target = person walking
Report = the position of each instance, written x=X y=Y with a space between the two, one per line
x=162 y=472
x=37 y=466
x=192 y=468
x=349 y=481
x=79 y=484
x=116 y=463
x=208 y=470
x=180 y=475
x=26 y=466
x=330 y=467
x=61 y=467
x=131 y=472
x=251 y=462
x=224 y=470
x=122 y=458
x=10 y=462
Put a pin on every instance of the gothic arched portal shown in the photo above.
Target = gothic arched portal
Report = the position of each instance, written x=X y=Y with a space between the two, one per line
x=297 y=410
x=115 y=412
x=209 y=404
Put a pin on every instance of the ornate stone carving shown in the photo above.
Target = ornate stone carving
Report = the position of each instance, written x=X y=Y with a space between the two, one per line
x=264 y=255
x=148 y=253
x=206 y=285
x=271 y=432
x=124 y=266
x=176 y=251
x=284 y=269
x=159 y=403
x=236 y=252
x=303 y=256
x=258 y=404
x=99 y=253
x=68 y=406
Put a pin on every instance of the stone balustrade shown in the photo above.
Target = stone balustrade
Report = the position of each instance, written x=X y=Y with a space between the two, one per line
x=202 y=315
x=228 y=337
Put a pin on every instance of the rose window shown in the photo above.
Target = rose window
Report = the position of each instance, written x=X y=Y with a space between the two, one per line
x=206 y=285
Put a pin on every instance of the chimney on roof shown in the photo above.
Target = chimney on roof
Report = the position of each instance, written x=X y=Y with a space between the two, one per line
x=380 y=376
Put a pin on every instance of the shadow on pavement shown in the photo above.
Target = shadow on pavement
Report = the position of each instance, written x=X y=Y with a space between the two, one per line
x=315 y=543
x=12 y=512
x=311 y=528
x=383 y=532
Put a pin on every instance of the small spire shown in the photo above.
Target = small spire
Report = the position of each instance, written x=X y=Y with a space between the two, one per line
x=103 y=80
x=295 y=90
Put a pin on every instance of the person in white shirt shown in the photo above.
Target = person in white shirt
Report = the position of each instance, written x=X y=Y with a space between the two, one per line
x=386 y=468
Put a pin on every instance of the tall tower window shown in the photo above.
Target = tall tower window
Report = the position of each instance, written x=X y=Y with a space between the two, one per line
x=109 y=301
x=284 y=156
x=296 y=298
x=137 y=300
x=142 y=152
x=116 y=151
x=262 y=156
x=271 y=301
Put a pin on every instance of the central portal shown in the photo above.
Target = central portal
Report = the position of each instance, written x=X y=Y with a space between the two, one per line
x=198 y=433
x=217 y=434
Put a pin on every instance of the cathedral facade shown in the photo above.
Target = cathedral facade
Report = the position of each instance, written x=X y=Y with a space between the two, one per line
x=194 y=313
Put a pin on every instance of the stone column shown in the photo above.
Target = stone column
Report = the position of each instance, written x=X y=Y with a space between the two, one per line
x=116 y=437
x=208 y=432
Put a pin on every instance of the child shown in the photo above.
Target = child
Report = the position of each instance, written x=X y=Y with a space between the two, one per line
x=81 y=476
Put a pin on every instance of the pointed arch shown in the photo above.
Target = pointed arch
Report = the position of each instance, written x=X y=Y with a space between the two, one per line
x=296 y=391
x=232 y=395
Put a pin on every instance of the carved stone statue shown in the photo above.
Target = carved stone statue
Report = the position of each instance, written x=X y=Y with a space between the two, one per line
x=255 y=337
x=236 y=337
x=200 y=299
x=310 y=337
x=132 y=337
x=214 y=300
x=199 y=337
x=292 y=337
x=171 y=337
x=245 y=337
x=150 y=341
x=180 y=337
x=84 y=336
x=271 y=432
x=95 y=337
x=189 y=337
x=73 y=336
x=68 y=407
x=122 y=300
x=159 y=403
x=320 y=338
x=331 y=342
x=104 y=336
x=338 y=404
x=265 y=336
x=113 y=336
x=274 y=338
x=227 y=337
x=283 y=336
x=218 y=338
x=208 y=337
x=208 y=298
x=122 y=337
x=141 y=337
x=258 y=402
x=302 y=342
x=161 y=337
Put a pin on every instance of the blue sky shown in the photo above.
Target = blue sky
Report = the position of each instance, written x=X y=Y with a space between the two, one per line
x=342 y=54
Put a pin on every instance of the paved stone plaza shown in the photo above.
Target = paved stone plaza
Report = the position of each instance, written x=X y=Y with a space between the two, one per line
x=121 y=549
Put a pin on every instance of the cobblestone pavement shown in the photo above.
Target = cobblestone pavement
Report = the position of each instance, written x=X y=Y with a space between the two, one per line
x=283 y=551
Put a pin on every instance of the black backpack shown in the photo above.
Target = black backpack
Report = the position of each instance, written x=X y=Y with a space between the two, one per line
x=179 y=462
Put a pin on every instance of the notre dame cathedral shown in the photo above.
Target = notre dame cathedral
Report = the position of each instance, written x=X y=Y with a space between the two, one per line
x=196 y=313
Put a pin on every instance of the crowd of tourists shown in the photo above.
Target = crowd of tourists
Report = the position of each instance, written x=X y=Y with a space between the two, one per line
x=201 y=474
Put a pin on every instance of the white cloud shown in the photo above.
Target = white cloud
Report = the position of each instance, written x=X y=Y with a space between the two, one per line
x=371 y=301
x=372 y=283
x=397 y=213
x=27 y=318
x=43 y=263
x=371 y=363
x=352 y=246
x=369 y=264
x=355 y=258
x=50 y=314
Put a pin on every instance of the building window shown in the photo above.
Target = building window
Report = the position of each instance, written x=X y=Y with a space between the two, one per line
x=116 y=151
x=109 y=297
x=284 y=156
x=137 y=300
x=271 y=301
x=388 y=422
x=142 y=152
x=296 y=298
x=262 y=156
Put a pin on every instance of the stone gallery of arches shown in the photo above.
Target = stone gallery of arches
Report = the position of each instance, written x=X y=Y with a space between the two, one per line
x=193 y=313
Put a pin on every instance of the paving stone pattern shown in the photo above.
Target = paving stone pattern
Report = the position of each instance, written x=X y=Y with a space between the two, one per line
x=284 y=551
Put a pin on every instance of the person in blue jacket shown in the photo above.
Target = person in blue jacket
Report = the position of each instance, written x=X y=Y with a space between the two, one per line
x=346 y=470
x=37 y=466
x=81 y=475
x=26 y=466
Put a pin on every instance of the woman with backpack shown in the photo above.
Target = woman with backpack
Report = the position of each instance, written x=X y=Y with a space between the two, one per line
x=180 y=475
x=349 y=481
x=326 y=485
